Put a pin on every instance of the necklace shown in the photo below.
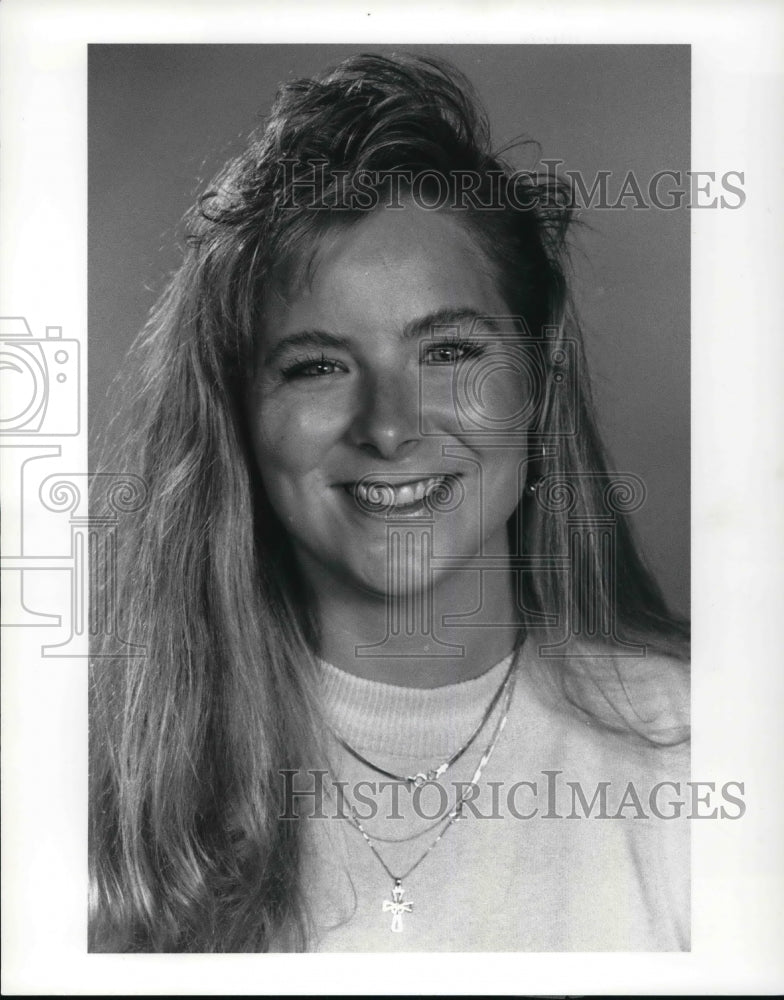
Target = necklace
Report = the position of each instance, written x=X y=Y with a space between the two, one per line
x=419 y=779
x=397 y=905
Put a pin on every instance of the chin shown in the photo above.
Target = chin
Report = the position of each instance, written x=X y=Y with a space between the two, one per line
x=413 y=578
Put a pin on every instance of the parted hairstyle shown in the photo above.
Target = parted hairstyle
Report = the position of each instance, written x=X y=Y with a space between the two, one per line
x=188 y=849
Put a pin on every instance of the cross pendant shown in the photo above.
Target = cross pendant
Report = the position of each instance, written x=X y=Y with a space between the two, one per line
x=397 y=907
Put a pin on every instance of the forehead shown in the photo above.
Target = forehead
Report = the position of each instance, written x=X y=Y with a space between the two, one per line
x=384 y=269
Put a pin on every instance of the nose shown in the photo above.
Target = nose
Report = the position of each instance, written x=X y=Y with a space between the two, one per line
x=385 y=422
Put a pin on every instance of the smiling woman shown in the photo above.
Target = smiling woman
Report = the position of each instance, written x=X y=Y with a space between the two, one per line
x=395 y=621
x=354 y=402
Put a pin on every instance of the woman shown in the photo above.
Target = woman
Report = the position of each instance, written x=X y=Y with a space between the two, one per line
x=394 y=624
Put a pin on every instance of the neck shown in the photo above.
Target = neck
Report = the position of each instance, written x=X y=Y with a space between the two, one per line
x=402 y=640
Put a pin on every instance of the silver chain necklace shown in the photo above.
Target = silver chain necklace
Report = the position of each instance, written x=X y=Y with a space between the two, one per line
x=397 y=905
x=419 y=779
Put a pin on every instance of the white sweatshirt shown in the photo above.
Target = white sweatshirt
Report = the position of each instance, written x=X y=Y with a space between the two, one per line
x=525 y=869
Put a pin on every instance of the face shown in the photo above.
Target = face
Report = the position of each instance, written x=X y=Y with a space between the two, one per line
x=379 y=392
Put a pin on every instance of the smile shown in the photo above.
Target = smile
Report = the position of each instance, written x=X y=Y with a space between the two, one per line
x=383 y=496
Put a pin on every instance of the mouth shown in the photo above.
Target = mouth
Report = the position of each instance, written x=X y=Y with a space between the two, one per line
x=380 y=496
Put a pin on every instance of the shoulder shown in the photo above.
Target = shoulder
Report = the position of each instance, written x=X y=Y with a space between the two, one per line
x=644 y=696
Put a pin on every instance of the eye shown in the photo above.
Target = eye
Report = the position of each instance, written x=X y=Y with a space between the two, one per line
x=313 y=367
x=451 y=352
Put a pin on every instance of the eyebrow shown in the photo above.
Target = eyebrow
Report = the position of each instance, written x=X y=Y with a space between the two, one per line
x=414 y=328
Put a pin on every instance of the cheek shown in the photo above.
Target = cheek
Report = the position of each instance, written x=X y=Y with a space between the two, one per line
x=291 y=438
x=491 y=397
x=496 y=393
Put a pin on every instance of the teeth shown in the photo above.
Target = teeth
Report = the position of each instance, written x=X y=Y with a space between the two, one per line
x=387 y=495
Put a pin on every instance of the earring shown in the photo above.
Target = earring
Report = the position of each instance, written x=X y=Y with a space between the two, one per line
x=533 y=486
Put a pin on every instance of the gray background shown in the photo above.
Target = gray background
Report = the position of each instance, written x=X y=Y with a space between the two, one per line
x=163 y=118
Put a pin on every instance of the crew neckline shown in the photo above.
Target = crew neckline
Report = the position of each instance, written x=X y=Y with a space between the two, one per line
x=400 y=721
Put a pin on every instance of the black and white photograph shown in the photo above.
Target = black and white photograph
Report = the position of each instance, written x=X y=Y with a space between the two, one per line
x=404 y=660
x=372 y=508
